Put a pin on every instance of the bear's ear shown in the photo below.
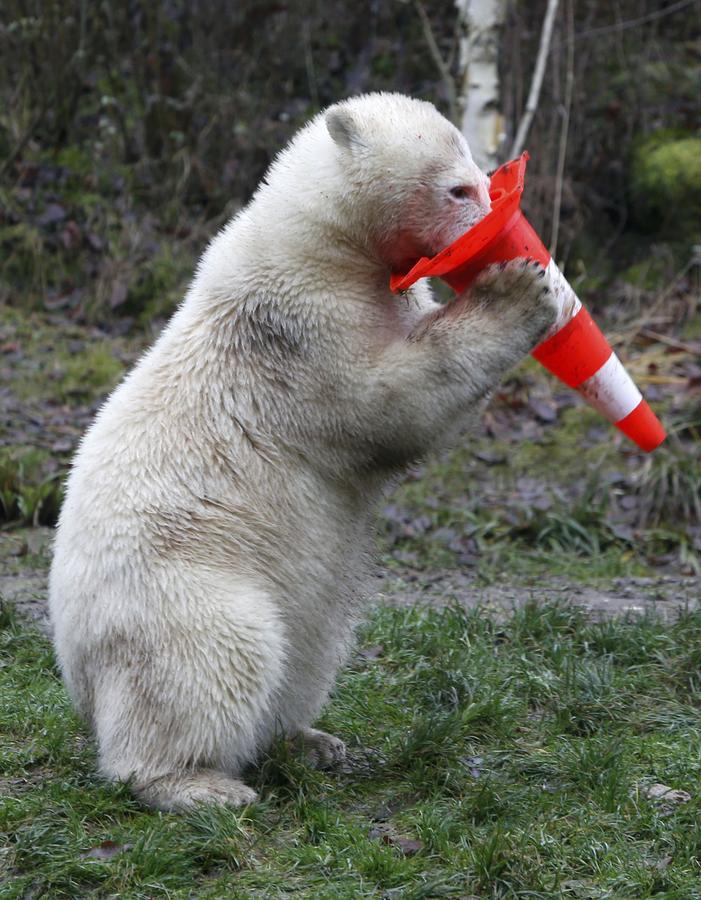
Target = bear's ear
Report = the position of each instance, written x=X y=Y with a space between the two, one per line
x=343 y=128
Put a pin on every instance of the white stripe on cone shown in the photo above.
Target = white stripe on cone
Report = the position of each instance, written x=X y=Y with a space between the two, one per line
x=611 y=391
x=568 y=303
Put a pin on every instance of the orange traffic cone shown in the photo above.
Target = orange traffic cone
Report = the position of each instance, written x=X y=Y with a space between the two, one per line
x=575 y=350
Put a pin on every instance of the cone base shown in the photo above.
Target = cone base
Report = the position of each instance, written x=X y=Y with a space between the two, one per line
x=643 y=427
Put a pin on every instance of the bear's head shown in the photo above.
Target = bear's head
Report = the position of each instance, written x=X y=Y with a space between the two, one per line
x=411 y=182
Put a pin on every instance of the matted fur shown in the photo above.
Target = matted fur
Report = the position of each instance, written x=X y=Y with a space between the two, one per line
x=211 y=554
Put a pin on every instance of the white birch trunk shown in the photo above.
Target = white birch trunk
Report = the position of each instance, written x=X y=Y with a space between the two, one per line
x=482 y=122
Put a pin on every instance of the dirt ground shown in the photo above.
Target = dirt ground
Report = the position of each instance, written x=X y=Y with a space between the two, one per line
x=25 y=586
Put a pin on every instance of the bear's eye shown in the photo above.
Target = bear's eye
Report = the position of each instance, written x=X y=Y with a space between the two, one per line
x=460 y=192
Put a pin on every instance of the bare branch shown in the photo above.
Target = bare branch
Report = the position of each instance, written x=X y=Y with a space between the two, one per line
x=441 y=64
x=564 y=129
x=537 y=82
x=631 y=23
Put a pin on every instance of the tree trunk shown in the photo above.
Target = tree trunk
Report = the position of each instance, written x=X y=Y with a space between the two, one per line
x=482 y=122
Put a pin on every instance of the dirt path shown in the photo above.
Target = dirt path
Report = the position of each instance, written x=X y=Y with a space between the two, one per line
x=665 y=594
x=24 y=564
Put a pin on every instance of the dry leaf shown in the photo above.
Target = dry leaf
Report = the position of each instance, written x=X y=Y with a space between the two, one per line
x=668 y=794
x=372 y=652
x=387 y=833
x=119 y=294
x=105 y=850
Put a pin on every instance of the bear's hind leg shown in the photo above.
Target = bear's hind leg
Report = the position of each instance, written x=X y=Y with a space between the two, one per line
x=180 y=718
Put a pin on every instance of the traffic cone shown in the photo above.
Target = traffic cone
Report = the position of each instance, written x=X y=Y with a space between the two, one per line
x=574 y=350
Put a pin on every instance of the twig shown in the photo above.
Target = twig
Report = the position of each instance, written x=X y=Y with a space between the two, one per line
x=22 y=142
x=669 y=341
x=627 y=338
x=537 y=82
x=628 y=23
x=564 y=130
x=437 y=56
x=309 y=65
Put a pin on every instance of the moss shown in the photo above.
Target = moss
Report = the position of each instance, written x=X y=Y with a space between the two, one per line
x=87 y=375
x=666 y=184
x=75 y=158
x=158 y=285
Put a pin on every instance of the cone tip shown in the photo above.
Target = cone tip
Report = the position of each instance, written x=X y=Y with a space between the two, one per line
x=643 y=427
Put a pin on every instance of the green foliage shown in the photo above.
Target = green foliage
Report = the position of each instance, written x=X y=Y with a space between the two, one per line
x=126 y=143
x=669 y=486
x=666 y=184
x=81 y=377
x=157 y=285
x=27 y=495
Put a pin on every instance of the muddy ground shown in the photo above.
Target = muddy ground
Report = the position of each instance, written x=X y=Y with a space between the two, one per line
x=24 y=585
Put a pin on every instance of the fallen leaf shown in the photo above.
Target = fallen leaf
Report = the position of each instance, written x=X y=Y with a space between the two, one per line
x=71 y=235
x=629 y=501
x=119 y=294
x=68 y=298
x=105 y=850
x=444 y=535
x=670 y=797
x=94 y=240
x=622 y=532
x=387 y=834
x=409 y=846
x=62 y=445
x=491 y=457
x=474 y=764
x=372 y=652
x=53 y=212
x=544 y=411
x=418 y=525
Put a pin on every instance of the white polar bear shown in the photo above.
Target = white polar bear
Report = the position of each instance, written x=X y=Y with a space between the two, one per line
x=213 y=546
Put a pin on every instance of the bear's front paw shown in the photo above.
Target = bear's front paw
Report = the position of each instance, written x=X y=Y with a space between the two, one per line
x=520 y=294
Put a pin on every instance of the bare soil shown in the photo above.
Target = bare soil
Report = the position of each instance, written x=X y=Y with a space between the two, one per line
x=25 y=586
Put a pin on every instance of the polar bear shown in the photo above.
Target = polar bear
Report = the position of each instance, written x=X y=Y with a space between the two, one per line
x=212 y=551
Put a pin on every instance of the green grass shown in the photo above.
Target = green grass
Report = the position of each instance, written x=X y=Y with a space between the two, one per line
x=27 y=495
x=514 y=754
x=62 y=365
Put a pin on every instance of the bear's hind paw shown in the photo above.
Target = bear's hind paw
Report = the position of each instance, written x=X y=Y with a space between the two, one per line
x=184 y=790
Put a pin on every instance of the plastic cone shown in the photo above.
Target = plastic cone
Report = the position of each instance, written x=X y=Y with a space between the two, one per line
x=575 y=350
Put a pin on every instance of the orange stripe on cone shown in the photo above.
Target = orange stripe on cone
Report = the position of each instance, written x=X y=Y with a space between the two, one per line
x=576 y=351
x=643 y=427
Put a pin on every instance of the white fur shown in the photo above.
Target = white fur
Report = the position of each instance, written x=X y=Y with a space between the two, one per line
x=211 y=553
